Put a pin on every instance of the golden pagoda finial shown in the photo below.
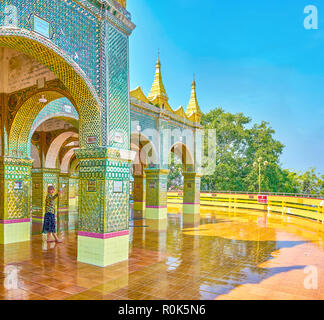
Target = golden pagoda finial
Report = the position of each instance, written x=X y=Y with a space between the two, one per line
x=158 y=94
x=122 y=2
x=193 y=106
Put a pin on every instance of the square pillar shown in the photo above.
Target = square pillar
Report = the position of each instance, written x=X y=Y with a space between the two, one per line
x=191 y=193
x=73 y=202
x=41 y=179
x=63 y=203
x=139 y=193
x=103 y=228
x=15 y=195
x=156 y=193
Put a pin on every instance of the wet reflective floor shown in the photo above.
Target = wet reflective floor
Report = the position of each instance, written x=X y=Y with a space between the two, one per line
x=221 y=255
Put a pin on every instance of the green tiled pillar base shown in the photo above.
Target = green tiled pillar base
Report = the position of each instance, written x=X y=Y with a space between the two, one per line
x=191 y=194
x=104 y=175
x=15 y=196
x=191 y=209
x=156 y=213
x=156 y=193
x=14 y=232
x=103 y=252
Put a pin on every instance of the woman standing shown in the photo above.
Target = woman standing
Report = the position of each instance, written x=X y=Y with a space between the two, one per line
x=49 y=226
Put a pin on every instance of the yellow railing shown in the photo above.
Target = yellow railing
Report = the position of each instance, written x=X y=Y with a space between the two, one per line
x=307 y=207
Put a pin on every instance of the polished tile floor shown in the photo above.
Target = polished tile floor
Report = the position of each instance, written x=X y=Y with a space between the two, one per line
x=224 y=255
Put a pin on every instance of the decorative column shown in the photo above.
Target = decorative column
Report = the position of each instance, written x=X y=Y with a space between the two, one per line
x=73 y=201
x=63 y=203
x=104 y=164
x=41 y=179
x=139 y=193
x=15 y=195
x=156 y=193
x=191 y=194
x=104 y=179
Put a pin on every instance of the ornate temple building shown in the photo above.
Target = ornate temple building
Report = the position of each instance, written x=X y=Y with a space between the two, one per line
x=68 y=119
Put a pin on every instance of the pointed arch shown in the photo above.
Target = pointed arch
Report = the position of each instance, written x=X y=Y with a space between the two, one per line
x=67 y=160
x=182 y=151
x=145 y=149
x=52 y=153
x=70 y=74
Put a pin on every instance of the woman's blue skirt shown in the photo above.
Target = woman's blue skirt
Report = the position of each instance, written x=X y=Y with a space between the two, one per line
x=49 y=223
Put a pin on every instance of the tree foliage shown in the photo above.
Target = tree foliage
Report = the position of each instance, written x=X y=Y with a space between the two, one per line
x=239 y=144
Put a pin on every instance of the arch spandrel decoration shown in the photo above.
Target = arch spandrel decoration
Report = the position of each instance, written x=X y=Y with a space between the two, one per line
x=76 y=82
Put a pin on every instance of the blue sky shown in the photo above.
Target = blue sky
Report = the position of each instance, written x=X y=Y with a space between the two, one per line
x=249 y=56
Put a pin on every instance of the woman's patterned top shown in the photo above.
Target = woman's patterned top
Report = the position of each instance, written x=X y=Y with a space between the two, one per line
x=50 y=203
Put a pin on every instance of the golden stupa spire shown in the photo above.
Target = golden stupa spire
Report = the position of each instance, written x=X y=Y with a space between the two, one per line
x=122 y=2
x=158 y=93
x=193 y=106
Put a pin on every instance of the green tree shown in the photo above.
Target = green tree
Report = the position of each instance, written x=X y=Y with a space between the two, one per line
x=261 y=143
x=175 y=177
x=231 y=145
x=310 y=182
x=240 y=144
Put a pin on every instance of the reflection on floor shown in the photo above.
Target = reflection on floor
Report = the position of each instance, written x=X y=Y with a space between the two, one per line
x=222 y=256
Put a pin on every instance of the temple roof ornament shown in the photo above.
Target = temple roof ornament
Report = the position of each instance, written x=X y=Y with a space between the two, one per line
x=122 y=2
x=139 y=95
x=158 y=95
x=193 y=106
x=180 y=112
x=159 y=98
